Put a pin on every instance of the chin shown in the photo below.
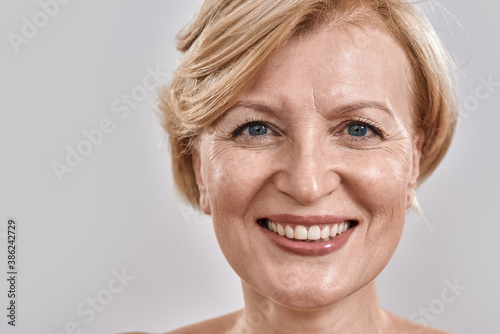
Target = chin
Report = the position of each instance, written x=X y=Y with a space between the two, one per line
x=309 y=301
x=307 y=291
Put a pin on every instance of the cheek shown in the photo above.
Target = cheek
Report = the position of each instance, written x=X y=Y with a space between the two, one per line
x=382 y=178
x=381 y=188
x=234 y=176
x=378 y=188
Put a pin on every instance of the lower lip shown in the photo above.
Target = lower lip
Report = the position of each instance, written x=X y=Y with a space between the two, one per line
x=315 y=248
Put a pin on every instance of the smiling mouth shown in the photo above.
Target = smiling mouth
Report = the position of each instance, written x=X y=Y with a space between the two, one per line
x=308 y=233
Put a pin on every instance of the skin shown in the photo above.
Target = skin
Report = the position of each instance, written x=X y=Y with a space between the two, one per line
x=308 y=163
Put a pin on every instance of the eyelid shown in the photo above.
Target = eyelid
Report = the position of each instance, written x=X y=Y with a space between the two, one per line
x=249 y=122
x=372 y=125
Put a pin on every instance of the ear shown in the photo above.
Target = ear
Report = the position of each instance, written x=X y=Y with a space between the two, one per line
x=415 y=169
x=203 y=200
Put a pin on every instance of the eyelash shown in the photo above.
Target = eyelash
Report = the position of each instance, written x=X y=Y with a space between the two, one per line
x=365 y=122
x=249 y=122
x=358 y=120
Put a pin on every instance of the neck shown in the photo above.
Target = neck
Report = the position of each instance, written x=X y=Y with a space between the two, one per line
x=357 y=313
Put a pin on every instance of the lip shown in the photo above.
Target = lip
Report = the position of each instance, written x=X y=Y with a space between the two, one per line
x=306 y=220
x=303 y=248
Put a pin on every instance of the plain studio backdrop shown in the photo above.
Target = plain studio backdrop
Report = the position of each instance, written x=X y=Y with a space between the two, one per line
x=104 y=244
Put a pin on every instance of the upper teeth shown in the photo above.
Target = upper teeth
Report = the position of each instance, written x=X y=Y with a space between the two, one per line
x=300 y=232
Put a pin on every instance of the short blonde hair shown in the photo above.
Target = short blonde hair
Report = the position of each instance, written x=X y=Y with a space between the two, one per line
x=229 y=42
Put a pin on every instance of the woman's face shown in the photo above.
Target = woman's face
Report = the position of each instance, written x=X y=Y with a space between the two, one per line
x=320 y=143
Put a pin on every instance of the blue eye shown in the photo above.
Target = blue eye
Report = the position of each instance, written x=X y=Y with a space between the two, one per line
x=357 y=130
x=257 y=130
x=253 y=128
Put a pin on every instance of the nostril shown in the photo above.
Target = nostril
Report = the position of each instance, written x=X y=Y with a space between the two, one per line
x=307 y=186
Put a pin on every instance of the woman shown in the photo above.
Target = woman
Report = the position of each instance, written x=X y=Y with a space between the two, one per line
x=303 y=127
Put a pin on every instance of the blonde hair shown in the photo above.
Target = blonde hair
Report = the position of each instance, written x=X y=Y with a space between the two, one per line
x=229 y=42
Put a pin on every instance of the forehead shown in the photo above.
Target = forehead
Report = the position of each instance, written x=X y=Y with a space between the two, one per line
x=336 y=64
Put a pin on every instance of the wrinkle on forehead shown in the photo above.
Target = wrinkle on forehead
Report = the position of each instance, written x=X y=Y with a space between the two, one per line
x=355 y=40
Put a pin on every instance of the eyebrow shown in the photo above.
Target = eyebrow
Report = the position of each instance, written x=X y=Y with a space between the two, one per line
x=343 y=109
x=255 y=106
x=364 y=104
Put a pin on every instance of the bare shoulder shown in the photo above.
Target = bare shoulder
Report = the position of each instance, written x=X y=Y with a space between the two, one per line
x=219 y=325
x=404 y=326
x=222 y=324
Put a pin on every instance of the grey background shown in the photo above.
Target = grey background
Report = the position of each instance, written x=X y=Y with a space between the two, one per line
x=117 y=210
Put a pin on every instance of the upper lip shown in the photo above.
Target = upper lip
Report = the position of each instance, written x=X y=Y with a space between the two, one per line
x=305 y=220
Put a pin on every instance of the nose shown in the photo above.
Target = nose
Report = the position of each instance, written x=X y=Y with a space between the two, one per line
x=308 y=173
